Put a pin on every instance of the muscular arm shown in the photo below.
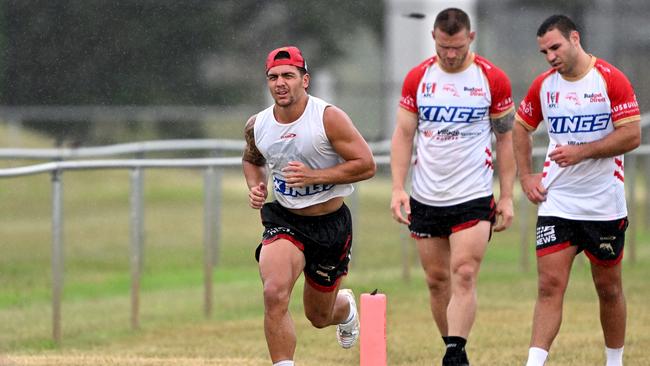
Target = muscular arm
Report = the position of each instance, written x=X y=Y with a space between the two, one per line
x=254 y=167
x=506 y=169
x=358 y=164
x=523 y=150
x=626 y=137
x=400 y=160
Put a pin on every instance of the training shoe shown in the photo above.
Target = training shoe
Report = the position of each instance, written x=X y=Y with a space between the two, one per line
x=348 y=333
x=455 y=360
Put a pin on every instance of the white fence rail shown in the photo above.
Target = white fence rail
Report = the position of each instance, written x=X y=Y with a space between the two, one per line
x=212 y=196
x=212 y=190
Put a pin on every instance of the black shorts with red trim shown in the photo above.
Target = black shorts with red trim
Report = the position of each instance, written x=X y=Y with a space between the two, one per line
x=442 y=221
x=325 y=241
x=602 y=241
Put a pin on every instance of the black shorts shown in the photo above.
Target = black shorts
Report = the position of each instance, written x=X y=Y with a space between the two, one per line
x=602 y=241
x=441 y=221
x=325 y=241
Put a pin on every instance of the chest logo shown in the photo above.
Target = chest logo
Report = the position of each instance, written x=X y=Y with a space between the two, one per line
x=428 y=89
x=475 y=92
x=552 y=99
x=451 y=89
x=595 y=97
x=573 y=98
x=578 y=124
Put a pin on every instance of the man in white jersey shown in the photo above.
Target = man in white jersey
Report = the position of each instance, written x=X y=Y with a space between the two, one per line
x=592 y=118
x=313 y=153
x=454 y=102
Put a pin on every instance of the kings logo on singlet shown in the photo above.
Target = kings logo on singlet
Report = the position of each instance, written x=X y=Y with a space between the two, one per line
x=583 y=123
x=453 y=114
x=280 y=186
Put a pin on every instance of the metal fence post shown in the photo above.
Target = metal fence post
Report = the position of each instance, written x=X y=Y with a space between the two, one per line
x=630 y=170
x=137 y=239
x=209 y=234
x=14 y=132
x=406 y=253
x=216 y=211
x=353 y=205
x=522 y=215
x=57 y=253
x=646 y=177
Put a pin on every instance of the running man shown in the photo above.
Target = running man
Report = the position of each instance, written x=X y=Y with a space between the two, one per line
x=313 y=153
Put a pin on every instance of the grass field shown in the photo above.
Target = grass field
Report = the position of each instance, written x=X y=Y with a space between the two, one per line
x=96 y=305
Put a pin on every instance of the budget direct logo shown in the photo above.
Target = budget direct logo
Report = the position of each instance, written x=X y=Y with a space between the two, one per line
x=475 y=92
x=595 y=97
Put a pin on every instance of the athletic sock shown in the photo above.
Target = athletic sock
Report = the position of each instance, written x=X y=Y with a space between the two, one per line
x=455 y=348
x=536 y=356
x=455 y=344
x=614 y=356
x=284 y=363
x=351 y=315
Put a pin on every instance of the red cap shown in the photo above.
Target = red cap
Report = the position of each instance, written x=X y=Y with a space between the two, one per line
x=295 y=58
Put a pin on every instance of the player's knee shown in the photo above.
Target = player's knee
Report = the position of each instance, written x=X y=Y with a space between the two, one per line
x=319 y=318
x=550 y=286
x=465 y=275
x=437 y=281
x=608 y=291
x=276 y=298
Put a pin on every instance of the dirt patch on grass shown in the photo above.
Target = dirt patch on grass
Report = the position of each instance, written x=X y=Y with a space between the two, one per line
x=99 y=360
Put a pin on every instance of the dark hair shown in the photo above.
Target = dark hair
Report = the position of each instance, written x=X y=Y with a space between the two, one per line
x=562 y=23
x=452 y=21
x=285 y=55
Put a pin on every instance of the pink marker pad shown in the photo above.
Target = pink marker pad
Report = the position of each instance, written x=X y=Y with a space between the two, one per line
x=373 y=330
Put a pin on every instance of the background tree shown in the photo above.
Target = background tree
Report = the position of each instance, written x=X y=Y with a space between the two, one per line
x=144 y=52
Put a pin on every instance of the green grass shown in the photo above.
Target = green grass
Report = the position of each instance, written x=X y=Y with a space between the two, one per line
x=173 y=329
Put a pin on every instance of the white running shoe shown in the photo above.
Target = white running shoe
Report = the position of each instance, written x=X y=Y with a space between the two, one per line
x=348 y=333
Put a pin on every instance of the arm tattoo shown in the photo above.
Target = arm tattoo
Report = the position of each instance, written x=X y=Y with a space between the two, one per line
x=251 y=153
x=503 y=124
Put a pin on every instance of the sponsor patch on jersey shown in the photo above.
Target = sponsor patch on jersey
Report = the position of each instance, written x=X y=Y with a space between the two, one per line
x=573 y=98
x=408 y=101
x=553 y=99
x=451 y=89
x=625 y=106
x=504 y=103
x=578 y=124
x=475 y=92
x=526 y=108
x=428 y=89
x=595 y=97
x=452 y=114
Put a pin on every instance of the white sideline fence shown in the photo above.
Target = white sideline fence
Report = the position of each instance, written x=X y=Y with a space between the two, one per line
x=212 y=190
x=212 y=195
